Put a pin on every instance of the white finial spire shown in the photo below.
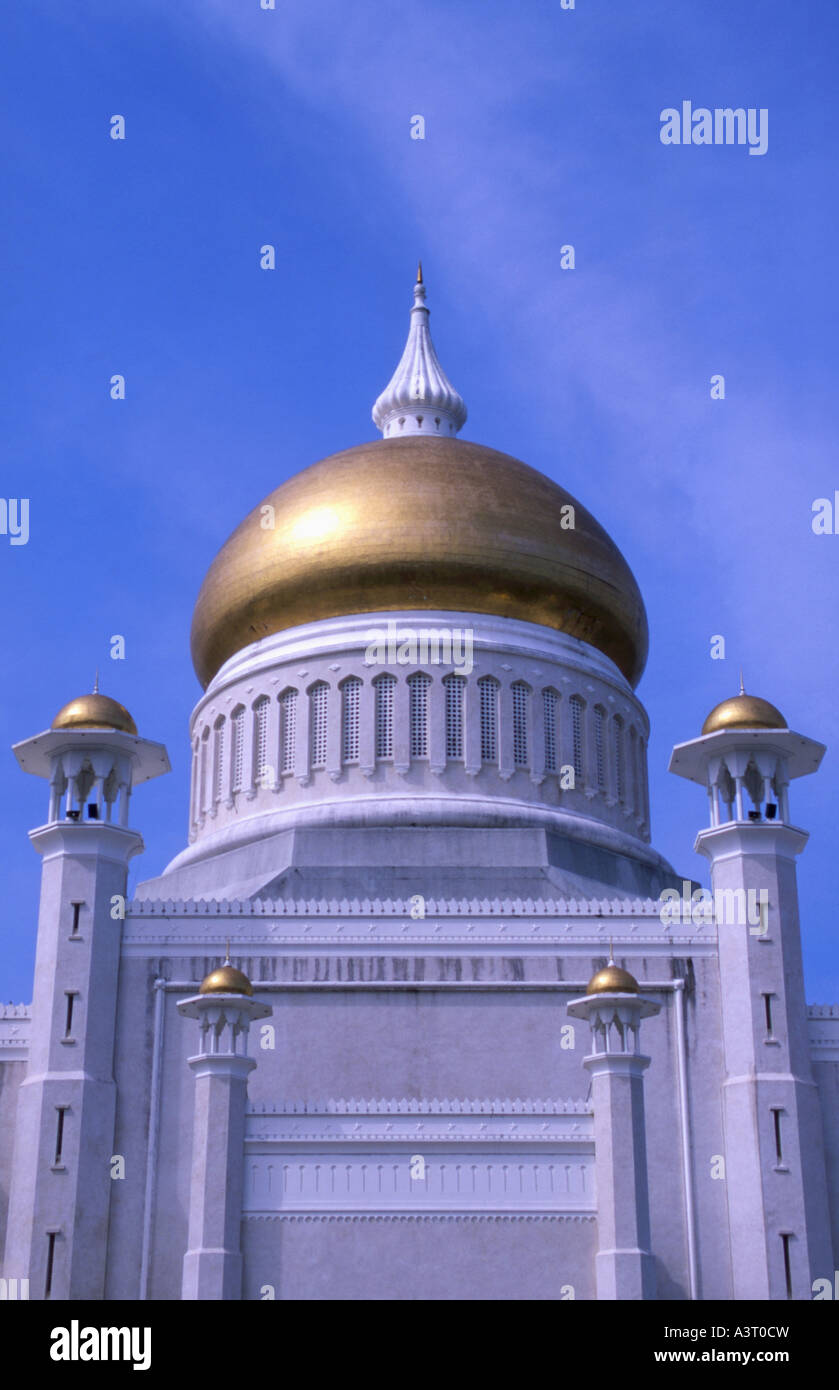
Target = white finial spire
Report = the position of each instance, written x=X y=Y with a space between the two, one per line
x=419 y=399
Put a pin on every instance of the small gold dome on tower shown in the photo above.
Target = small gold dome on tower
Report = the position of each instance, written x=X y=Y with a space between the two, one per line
x=743 y=711
x=226 y=979
x=95 y=711
x=612 y=980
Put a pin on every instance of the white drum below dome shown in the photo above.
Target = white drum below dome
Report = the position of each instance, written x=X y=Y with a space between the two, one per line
x=424 y=718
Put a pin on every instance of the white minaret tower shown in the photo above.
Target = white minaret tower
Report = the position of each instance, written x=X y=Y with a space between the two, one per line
x=224 y=1010
x=774 y=1155
x=419 y=398
x=64 y=1135
x=612 y=1005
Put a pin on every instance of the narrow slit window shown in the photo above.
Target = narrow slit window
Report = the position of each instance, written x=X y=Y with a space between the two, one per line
x=577 y=735
x=218 y=759
x=785 y=1240
x=620 y=773
x=418 y=713
x=384 y=688
x=599 y=752
x=642 y=781
x=260 y=738
x=68 y=1021
x=633 y=770
x=767 y=1004
x=489 y=719
x=59 y=1132
x=237 y=749
x=77 y=907
x=318 y=698
x=520 y=738
x=350 y=707
x=776 y=1116
x=50 y=1262
x=454 y=688
x=193 y=795
x=549 y=705
x=288 y=729
x=204 y=774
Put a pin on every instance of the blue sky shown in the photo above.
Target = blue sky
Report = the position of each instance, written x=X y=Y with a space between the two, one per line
x=292 y=127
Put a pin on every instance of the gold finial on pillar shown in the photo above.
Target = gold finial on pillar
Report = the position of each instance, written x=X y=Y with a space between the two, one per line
x=419 y=272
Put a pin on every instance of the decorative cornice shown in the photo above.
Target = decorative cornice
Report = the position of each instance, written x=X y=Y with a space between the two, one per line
x=395 y=907
x=420 y=1216
x=408 y=1106
x=15 y=1027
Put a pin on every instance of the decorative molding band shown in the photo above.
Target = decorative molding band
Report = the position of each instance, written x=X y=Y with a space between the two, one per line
x=407 y=1155
x=420 y=1216
x=15 y=1027
x=823 y=1032
x=405 y=1106
x=175 y=943
x=395 y=907
x=281 y=1138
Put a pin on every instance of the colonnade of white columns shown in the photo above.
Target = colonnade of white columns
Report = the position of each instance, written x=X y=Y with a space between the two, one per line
x=632 y=795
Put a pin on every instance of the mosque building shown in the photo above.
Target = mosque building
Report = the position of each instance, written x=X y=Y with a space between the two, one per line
x=419 y=1012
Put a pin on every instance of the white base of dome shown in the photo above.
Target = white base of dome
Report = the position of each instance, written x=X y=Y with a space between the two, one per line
x=418 y=718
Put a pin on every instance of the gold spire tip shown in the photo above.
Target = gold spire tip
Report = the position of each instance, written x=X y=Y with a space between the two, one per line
x=419 y=272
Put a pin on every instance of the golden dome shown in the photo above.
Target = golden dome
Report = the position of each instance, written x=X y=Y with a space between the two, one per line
x=95 y=711
x=419 y=523
x=612 y=980
x=226 y=979
x=744 y=712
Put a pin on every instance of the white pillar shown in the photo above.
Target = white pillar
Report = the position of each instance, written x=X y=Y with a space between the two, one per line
x=624 y=1262
x=437 y=726
x=472 y=728
x=303 y=738
x=536 y=737
x=334 y=731
x=68 y=1193
x=213 y=1260
x=777 y=1202
x=401 y=726
x=506 y=767
x=56 y=786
